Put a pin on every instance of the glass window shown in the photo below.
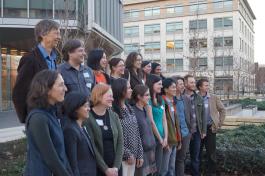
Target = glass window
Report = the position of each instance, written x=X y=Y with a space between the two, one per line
x=131 y=31
x=194 y=8
x=170 y=10
x=152 y=29
x=176 y=26
x=15 y=9
x=217 y=4
x=147 y=12
x=218 y=23
x=202 y=24
x=218 y=42
x=152 y=46
x=193 y=24
x=228 y=22
x=40 y=9
x=61 y=7
x=228 y=4
x=134 y=13
x=179 y=9
x=228 y=61
x=202 y=7
x=156 y=11
x=219 y=61
x=228 y=41
x=202 y=62
x=170 y=44
x=130 y=48
x=179 y=44
x=174 y=65
x=202 y=43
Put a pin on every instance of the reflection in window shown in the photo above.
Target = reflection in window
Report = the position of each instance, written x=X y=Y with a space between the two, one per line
x=198 y=43
x=174 y=27
x=226 y=22
x=15 y=9
x=152 y=29
x=64 y=8
x=198 y=24
x=131 y=48
x=174 y=45
x=174 y=65
x=152 y=47
x=131 y=31
x=155 y=11
x=40 y=9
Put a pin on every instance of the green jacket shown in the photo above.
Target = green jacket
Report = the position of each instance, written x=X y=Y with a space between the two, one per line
x=174 y=135
x=200 y=116
x=96 y=135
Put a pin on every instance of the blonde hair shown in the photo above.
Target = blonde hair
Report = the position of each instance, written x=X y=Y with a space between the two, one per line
x=97 y=93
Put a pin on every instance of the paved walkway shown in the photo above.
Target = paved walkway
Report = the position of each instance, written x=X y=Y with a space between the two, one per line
x=10 y=127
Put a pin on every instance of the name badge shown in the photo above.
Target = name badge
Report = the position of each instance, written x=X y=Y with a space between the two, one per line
x=172 y=109
x=162 y=107
x=89 y=85
x=206 y=105
x=86 y=75
x=99 y=122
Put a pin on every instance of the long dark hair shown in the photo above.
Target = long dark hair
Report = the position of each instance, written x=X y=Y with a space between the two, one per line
x=119 y=89
x=94 y=57
x=130 y=60
x=39 y=88
x=150 y=81
x=138 y=90
x=154 y=65
x=72 y=102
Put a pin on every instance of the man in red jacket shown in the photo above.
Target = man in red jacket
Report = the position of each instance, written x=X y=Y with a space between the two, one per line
x=43 y=56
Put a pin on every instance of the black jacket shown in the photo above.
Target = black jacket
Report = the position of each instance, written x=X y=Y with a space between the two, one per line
x=79 y=150
x=28 y=67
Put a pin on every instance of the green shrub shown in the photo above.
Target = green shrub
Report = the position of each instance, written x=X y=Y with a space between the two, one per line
x=242 y=150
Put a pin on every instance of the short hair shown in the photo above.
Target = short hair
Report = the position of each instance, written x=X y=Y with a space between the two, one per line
x=114 y=62
x=94 y=57
x=131 y=59
x=70 y=47
x=167 y=82
x=43 y=27
x=176 y=78
x=138 y=90
x=72 y=102
x=200 y=82
x=186 y=77
x=41 y=84
x=97 y=93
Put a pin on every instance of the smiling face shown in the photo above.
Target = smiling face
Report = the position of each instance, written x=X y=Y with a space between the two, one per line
x=119 y=68
x=171 y=90
x=147 y=69
x=52 y=38
x=107 y=99
x=157 y=87
x=138 y=62
x=78 y=55
x=57 y=92
x=82 y=112
x=103 y=61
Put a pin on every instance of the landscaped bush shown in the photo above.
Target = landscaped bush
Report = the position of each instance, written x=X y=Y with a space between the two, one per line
x=247 y=101
x=242 y=150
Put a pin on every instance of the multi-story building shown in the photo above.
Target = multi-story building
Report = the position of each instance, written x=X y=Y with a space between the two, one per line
x=213 y=38
x=260 y=79
x=98 y=22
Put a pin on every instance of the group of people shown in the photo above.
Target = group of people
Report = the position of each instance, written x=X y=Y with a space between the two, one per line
x=82 y=121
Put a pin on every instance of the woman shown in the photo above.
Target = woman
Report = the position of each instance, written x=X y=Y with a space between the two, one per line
x=140 y=96
x=133 y=69
x=78 y=144
x=97 y=60
x=105 y=130
x=146 y=69
x=117 y=68
x=157 y=70
x=174 y=136
x=45 y=151
x=133 y=150
x=156 y=113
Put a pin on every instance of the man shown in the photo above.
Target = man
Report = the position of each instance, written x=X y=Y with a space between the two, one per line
x=215 y=114
x=183 y=107
x=77 y=77
x=43 y=56
x=198 y=123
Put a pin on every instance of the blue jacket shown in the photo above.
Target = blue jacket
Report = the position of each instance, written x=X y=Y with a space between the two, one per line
x=45 y=150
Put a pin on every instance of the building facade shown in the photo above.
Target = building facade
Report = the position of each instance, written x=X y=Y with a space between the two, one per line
x=97 y=22
x=213 y=38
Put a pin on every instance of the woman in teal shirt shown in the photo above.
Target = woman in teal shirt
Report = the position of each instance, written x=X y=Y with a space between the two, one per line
x=156 y=113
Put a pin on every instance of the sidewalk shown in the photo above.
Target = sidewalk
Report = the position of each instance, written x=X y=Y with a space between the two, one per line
x=10 y=127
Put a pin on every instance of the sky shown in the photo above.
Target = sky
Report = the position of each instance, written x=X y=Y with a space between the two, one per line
x=259 y=28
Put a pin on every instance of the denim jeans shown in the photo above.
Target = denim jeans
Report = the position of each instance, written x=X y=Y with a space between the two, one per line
x=195 y=145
